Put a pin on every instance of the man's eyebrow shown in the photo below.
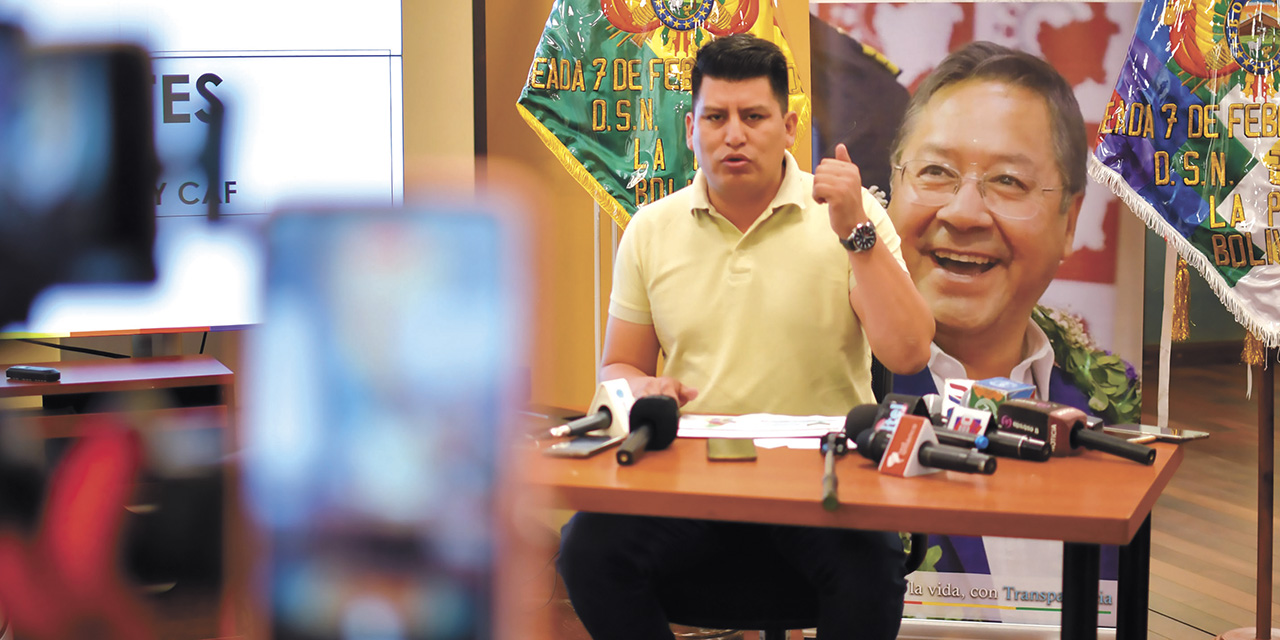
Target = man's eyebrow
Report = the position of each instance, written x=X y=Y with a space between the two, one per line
x=749 y=108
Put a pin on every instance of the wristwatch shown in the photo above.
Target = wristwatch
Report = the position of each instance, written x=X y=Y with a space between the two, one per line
x=862 y=238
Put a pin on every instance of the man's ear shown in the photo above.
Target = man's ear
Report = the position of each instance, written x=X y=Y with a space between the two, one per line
x=688 y=130
x=792 y=122
x=1073 y=214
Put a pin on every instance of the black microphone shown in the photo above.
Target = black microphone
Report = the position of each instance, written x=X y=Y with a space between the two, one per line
x=873 y=436
x=1012 y=445
x=610 y=404
x=598 y=420
x=861 y=418
x=1065 y=429
x=998 y=443
x=872 y=444
x=895 y=405
x=654 y=423
x=963 y=440
x=1107 y=443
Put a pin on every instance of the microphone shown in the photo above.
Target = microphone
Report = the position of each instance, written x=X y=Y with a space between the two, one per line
x=963 y=440
x=612 y=400
x=591 y=422
x=654 y=421
x=887 y=414
x=900 y=404
x=1065 y=429
x=911 y=448
x=965 y=420
x=832 y=444
x=1012 y=445
x=933 y=403
x=895 y=405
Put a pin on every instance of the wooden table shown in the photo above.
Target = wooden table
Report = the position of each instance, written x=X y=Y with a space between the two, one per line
x=212 y=405
x=1085 y=501
x=87 y=380
x=125 y=374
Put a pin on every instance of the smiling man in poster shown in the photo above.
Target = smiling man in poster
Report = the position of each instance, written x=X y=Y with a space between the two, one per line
x=988 y=181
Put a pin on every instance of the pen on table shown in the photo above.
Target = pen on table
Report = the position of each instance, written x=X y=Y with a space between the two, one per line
x=1142 y=439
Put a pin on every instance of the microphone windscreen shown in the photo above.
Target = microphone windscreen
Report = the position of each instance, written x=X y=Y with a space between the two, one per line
x=861 y=418
x=863 y=440
x=1043 y=420
x=661 y=414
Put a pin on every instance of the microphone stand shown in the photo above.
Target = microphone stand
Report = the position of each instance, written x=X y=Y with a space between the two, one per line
x=833 y=444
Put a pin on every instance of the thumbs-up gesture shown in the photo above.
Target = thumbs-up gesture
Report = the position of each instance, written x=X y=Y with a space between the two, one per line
x=837 y=182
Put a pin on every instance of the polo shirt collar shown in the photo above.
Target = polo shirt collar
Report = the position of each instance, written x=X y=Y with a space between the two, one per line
x=790 y=192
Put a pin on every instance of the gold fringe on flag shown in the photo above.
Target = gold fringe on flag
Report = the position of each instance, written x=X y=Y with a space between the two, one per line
x=1255 y=352
x=1181 y=329
x=575 y=169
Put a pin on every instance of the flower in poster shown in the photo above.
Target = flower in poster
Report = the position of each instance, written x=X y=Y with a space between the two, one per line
x=1112 y=385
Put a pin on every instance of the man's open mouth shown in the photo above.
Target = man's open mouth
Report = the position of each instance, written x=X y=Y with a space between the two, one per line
x=966 y=264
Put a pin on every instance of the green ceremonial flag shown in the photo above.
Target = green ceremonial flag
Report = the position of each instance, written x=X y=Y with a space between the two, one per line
x=609 y=87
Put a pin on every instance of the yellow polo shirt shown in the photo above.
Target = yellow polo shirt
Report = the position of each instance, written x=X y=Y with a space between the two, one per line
x=758 y=322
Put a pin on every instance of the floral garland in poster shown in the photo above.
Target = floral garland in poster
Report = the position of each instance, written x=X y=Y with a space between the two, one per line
x=1112 y=385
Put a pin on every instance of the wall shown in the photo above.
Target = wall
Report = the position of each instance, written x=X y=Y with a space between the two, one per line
x=439 y=122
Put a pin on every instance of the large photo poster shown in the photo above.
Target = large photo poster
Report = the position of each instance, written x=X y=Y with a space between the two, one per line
x=988 y=262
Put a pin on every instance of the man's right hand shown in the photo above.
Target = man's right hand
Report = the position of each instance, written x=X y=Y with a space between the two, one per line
x=662 y=386
x=631 y=353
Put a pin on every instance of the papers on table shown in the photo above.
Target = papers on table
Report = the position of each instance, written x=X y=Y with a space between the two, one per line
x=758 y=425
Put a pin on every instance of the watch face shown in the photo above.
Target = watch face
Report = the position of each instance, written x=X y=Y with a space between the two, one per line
x=862 y=238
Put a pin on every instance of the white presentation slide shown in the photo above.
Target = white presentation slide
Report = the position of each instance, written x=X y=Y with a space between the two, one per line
x=311 y=97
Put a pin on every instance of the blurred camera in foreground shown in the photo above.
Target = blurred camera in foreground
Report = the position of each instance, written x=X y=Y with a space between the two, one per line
x=378 y=390
x=77 y=167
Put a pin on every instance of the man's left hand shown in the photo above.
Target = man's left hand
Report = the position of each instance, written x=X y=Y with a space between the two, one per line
x=837 y=182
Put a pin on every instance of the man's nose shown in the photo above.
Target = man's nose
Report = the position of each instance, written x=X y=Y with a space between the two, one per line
x=968 y=208
x=735 y=131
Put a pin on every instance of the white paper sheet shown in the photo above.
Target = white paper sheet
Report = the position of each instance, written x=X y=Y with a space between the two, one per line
x=758 y=425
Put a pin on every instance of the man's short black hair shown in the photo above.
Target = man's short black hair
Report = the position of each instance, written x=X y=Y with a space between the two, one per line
x=742 y=57
x=987 y=61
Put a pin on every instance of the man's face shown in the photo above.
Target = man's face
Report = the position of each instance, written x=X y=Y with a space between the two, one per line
x=980 y=272
x=738 y=132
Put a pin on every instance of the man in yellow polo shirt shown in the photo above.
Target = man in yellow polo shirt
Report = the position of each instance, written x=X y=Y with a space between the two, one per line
x=767 y=289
